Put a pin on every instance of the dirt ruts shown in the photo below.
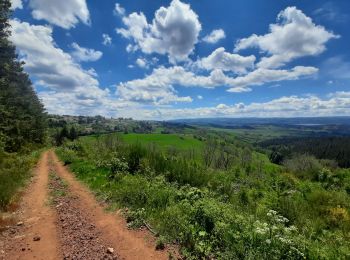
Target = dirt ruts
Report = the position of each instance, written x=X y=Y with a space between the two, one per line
x=78 y=237
x=36 y=221
x=59 y=218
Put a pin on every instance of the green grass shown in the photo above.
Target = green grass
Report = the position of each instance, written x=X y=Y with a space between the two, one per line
x=15 y=170
x=164 y=141
x=238 y=212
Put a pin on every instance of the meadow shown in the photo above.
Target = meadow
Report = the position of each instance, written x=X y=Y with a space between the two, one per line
x=226 y=202
x=165 y=141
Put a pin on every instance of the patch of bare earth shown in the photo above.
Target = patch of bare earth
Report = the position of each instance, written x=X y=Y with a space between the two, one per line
x=33 y=236
x=129 y=244
x=78 y=236
x=59 y=218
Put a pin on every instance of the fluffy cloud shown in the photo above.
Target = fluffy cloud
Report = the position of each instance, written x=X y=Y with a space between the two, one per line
x=161 y=82
x=119 y=9
x=335 y=104
x=107 y=40
x=174 y=31
x=220 y=59
x=261 y=76
x=215 y=36
x=54 y=67
x=65 y=14
x=84 y=54
x=295 y=35
x=158 y=87
x=67 y=84
x=146 y=64
x=16 y=4
x=142 y=63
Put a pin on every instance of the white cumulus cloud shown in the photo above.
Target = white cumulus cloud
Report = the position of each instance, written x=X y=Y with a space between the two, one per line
x=67 y=86
x=119 y=9
x=142 y=63
x=65 y=14
x=220 y=59
x=261 y=76
x=85 y=54
x=337 y=103
x=174 y=31
x=106 y=39
x=293 y=36
x=16 y=4
x=214 y=36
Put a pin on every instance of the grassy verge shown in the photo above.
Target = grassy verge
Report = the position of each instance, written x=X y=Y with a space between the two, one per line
x=15 y=170
x=250 y=211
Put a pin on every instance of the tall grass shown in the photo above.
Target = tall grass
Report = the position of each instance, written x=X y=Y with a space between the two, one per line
x=14 y=172
x=252 y=210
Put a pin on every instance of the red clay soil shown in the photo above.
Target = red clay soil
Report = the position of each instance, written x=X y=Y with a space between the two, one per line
x=78 y=237
x=129 y=244
x=36 y=220
x=76 y=226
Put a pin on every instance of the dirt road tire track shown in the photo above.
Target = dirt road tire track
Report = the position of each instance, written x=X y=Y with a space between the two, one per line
x=40 y=219
x=129 y=244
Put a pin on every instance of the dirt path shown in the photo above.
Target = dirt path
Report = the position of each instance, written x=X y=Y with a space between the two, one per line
x=35 y=221
x=66 y=222
x=128 y=244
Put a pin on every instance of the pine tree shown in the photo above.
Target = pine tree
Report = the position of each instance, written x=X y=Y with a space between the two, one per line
x=73 y=134
x=22 y=115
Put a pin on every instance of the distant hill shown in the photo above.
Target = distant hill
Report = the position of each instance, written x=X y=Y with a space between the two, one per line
x=231 y=122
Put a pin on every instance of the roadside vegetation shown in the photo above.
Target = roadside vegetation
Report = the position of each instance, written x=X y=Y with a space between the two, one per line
x=227 y=201
x=215 y=190
x=22 y=117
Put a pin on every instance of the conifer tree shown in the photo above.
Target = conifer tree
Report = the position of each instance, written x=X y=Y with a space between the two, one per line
x=22 y=115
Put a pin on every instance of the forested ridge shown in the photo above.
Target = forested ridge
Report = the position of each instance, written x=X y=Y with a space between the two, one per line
x=334 y=148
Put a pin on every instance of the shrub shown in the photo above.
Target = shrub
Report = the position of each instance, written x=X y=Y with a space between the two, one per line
x=304 y=166
x=14 y=171
x=67 y=155
x=116 y=166
x=224 y=214
x=136 y=153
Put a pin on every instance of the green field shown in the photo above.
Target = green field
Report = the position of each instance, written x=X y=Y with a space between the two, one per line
x=165 y=141
x=237 y=206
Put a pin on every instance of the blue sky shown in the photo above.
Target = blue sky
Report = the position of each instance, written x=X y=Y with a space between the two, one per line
x=185 y=59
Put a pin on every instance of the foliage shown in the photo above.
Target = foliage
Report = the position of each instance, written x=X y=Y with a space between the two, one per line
x=22 y=117
x=304 y=165
x=334 y=148
x=251 y=209
x=14 y=171
x=61 y=135
x=116 y=166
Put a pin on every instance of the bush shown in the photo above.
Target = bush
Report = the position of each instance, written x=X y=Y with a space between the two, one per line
x=136 y=153
x=304 y=166
x=67 y=155
x=14 y=171
x=224 y=214
x=116 y=166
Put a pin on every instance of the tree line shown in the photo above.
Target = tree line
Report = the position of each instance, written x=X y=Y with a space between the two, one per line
x=22 y=115
x=333 y=148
